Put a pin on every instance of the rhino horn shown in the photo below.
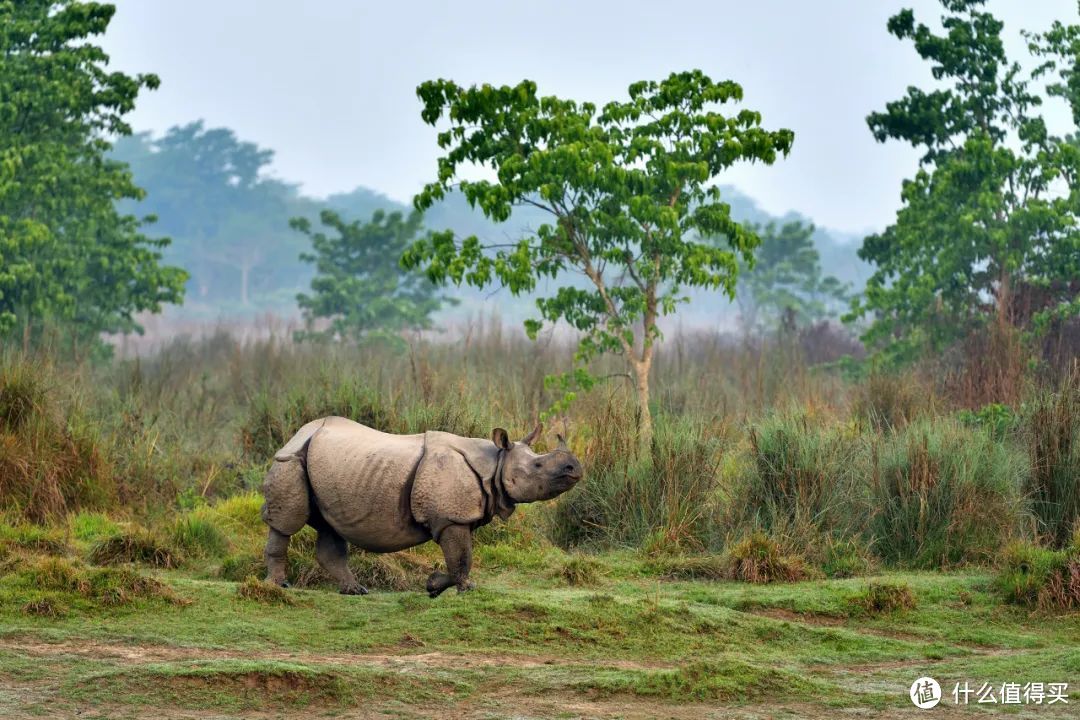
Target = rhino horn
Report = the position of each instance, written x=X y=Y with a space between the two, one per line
x=528 y=439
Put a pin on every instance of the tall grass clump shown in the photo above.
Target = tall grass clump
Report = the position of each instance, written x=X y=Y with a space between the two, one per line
x=52 y=460
x=807 y=480
x=667 y=494
x=945 y=494
x=1039 y=577
x=1053 y=438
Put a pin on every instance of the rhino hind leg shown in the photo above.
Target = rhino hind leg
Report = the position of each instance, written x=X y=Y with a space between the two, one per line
x=332 y=552
x=287 y=495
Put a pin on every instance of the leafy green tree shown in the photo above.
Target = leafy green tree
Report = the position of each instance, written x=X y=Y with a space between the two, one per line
x=67 y=256
x=992 y=212
x=627 y=191
x=360 y=286
x=227 y=219
x=787 y=280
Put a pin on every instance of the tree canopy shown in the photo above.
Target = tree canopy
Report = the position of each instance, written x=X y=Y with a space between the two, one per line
x=989 y=224
x=360 y=286
x=68 y=257
x=628 y=192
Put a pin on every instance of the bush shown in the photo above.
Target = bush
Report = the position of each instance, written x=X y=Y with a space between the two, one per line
x=1039 y=577
x=757 y=558
x=945 y=495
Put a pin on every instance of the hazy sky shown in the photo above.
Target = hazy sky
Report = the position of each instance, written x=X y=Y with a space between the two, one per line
x=329 y=85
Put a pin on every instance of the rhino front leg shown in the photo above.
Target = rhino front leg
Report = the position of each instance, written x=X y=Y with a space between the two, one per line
x=456 y=543
x=277 y=553
x=332 y=552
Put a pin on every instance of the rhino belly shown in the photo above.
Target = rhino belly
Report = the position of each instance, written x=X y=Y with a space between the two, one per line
x=362 y=486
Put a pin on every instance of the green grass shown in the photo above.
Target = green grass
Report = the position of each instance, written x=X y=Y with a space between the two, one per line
x=626 y=641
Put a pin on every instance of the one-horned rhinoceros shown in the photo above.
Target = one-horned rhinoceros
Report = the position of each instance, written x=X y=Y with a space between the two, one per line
x=386 y=492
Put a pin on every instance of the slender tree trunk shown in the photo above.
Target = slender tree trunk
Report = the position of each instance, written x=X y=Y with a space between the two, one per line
x=645 y=426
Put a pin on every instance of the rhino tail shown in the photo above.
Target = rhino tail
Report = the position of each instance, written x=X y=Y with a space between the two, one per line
x=286 y=490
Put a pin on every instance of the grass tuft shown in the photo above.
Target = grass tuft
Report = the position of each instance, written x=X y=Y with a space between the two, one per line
x=1040 y=578
x=881 y=598
x=136 y=545
x=758 y=558
x=260 y=591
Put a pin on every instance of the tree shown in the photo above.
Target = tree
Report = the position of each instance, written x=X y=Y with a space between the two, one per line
x=228 y=220
x=360 y=285
x=786 y=279
x=992 y=212
x=627 y=192
x=67 y=255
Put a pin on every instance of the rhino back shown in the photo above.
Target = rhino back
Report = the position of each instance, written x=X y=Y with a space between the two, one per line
x=362 y=480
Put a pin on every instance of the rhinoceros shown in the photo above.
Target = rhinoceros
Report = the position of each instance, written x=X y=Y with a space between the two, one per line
x=384 y=492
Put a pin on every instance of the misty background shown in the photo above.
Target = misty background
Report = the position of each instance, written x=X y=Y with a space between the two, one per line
x=317 y=103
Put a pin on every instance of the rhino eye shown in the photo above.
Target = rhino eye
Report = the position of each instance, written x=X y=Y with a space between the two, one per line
x=537 y=464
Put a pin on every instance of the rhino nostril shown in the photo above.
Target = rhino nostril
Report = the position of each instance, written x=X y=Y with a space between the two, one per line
x=537 y=464
x=571 y=468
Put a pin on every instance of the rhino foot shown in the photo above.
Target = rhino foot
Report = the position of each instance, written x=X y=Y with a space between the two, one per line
x=466 y=586
x=354 y=590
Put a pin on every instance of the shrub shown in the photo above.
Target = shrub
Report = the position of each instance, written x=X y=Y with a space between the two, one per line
x=1039 y=577
x=136 y=545
x=879 y=598
x=628 y=495
x=945 y=495
x=1053 y=436
x=757 y=558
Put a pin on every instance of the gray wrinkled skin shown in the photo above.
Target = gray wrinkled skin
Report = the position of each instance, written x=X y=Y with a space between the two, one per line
x=386 y=492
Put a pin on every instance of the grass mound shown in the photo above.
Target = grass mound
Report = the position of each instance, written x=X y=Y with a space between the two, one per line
x=579 y=570
x=45 y=607
x=1040 y=578
x=881 y=598
x=688 y=567
x=33 y=538
x=375 y=571
x=136 y=545
x=197 y=534
x=758 y=558
x=56 y=578
x=256 y=590
x=725 y=680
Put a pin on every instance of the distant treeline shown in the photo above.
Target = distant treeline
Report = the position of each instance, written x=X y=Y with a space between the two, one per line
x=228 y=220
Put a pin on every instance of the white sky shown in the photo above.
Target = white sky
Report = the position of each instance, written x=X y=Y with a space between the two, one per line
x=329 y=85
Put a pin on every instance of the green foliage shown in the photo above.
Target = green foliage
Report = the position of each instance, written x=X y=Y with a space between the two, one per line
x=983 y=225
x=360 y=287
x=996 y=418
x=786 y=280
x=945 y=495
x=805 y=477
x=67 y=256
x=627 y=192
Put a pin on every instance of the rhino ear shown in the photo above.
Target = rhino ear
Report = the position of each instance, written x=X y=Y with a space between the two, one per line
x=500 y=438
x=528 y=439
x=562 y=442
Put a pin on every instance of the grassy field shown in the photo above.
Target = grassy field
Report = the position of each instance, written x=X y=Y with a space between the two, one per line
x=529 y=644
x=799 y=540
